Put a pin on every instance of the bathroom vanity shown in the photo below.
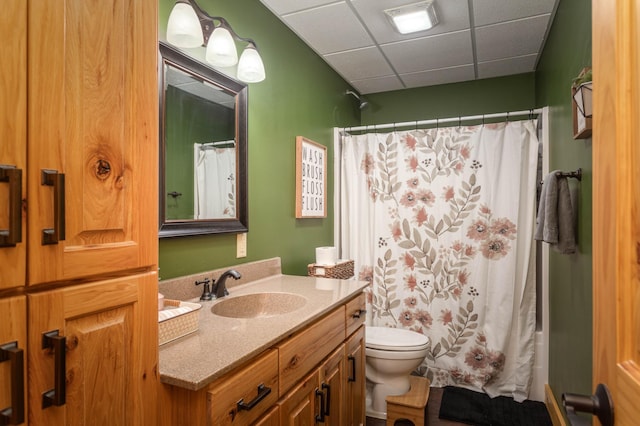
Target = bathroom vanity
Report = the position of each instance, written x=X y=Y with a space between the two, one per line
x=275 y=351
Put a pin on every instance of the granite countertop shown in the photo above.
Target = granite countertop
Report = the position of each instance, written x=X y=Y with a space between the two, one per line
x=223 y=343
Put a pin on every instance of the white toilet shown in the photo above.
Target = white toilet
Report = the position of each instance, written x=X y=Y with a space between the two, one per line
x=391 y=355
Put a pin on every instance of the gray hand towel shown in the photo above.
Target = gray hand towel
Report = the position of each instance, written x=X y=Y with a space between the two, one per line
x=555 y=221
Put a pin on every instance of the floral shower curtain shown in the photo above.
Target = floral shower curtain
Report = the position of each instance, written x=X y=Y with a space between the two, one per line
x=441 y=222
x=215 y=183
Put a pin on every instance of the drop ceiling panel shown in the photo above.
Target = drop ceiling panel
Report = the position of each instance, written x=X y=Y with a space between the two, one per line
x=513 y=38
x=315 y=27
x=474 y=39
x=488 y=12
x=441 y=76
x=500 y=68
x=360 y=63
x=283 y=7
x=429 y=53
x=379 y=84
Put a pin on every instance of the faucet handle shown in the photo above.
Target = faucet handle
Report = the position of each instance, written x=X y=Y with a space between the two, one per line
x=206 y=291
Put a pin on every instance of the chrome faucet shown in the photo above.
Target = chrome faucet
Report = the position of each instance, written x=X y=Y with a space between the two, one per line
x=219 y=287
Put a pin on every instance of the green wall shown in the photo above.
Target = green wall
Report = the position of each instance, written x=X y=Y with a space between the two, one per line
x=301 y=96
x=502 y=94
x=566 y=52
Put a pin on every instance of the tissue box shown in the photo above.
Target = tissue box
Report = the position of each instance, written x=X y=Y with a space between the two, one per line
x=177 y=319
x=341 y=270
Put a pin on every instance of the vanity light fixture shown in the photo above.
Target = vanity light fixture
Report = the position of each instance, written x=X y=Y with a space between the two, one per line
x=413 y=17
x=190 y=26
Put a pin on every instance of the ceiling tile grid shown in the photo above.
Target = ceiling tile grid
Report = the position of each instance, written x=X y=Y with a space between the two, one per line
x=474 y=39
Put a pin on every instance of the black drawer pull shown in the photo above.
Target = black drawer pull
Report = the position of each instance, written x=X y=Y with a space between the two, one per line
x=263 y=391
x=13 y=176
x=58 y=395
x=14 y=415
x=57 y=233
x=358 y=313
x=327 y=407
x=321 y=413
x=352 y=376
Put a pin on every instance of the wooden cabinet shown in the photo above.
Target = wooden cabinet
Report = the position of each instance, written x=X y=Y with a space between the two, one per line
x=100 y=360
x=242 y=398
x=93 y=138
x=78 y=222
x=332 y=379
x=355 y=379
x=13 y=373
x=299 y=406
x=316 y=376
x=13 y=143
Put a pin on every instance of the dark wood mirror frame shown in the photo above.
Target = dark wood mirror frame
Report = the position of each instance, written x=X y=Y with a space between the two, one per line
x=175 y=228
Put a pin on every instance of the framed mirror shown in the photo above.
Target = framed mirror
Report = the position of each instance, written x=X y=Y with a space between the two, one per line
x=203 y=148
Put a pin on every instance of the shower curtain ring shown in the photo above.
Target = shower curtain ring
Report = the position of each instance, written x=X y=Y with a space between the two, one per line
x=507 y=117
x=482 y=120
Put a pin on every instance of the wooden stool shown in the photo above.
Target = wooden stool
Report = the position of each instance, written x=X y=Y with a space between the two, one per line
x=411 y=405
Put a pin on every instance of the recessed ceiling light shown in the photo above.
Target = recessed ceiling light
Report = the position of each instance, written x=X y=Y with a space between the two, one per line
x=413 y=17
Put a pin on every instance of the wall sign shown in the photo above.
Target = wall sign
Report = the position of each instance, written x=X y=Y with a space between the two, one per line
x=311 y=178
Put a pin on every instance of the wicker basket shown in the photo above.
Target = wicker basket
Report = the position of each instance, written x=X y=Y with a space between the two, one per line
x=180 y=325
x=341 y=270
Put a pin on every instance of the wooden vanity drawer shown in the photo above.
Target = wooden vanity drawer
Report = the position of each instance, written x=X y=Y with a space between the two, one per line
x=247 y=384
x=299 y=354
x=356 y=312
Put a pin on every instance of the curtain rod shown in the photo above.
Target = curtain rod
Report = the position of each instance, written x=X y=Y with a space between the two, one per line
x=441 y=120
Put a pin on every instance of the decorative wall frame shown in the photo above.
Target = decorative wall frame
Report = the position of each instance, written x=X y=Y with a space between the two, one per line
x=311 y=179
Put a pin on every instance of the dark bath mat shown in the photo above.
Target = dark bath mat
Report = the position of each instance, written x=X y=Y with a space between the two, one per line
x=475 y=408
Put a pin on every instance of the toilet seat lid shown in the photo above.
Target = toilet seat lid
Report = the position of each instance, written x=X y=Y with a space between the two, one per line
x=395 y=339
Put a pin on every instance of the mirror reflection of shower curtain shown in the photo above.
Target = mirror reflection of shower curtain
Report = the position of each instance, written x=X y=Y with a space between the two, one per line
x=214 y=182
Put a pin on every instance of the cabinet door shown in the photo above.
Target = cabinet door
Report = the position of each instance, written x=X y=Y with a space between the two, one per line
x=100 y=357
x=332 y=383
x=13 y=142
x=300 y=406
x=271 y=418
x=93 y=137
x=355 y=383
x=13 y=360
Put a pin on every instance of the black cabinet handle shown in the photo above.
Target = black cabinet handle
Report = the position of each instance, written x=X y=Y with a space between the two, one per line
x=352 y=360
x=263 y=391
x=14 y=415
x=358 y=313
x=56 y=396
x=13 y=176
x=320 y=415
x=327 y=407
x=57 y=233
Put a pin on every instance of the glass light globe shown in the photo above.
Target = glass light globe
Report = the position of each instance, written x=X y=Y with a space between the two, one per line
x=250 y=67
x=221 y=49
x=183 y=28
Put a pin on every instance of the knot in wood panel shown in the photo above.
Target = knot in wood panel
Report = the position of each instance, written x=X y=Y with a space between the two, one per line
x=294 y=361
x=103 y=169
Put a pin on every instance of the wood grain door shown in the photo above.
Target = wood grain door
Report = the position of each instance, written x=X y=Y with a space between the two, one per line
x=94 y=353
x=616 y=204
x=93 y=137
x=355 y=378
x=13 y=142
x=300 y=406
x=332 y=384
x=13 y=356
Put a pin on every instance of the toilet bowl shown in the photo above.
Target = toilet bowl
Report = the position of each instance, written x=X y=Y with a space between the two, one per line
x=391 y=355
